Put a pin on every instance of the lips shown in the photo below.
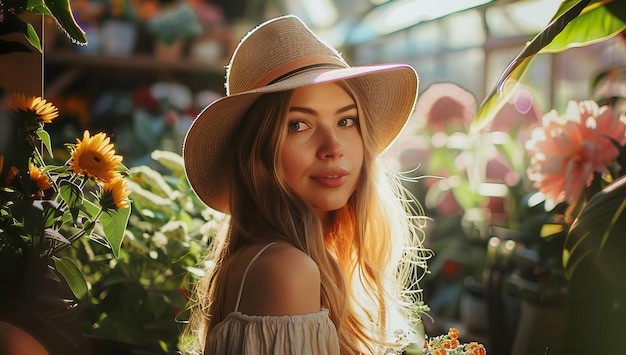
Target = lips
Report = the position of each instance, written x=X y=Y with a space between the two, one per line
x=331 y=177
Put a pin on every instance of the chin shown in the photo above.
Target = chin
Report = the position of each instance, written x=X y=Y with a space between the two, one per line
x=329 y=206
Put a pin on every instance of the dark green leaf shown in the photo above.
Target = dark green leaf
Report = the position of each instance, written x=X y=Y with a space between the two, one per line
x=603 y=218
x=73 y=276
x=71 y=193
x=50 y=213
x=594 y=24
x=73 y=196
x=62 y=12
x=543 y=38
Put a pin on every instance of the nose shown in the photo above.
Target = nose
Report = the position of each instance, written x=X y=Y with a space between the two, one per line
x=330 y=147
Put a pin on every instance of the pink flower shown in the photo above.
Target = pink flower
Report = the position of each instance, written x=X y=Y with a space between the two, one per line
x=445 y=107
x=566 y=151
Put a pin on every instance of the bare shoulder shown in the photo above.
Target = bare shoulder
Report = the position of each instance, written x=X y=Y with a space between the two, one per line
x=282 y=281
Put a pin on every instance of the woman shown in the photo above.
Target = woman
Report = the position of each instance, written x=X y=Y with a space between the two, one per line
x=322 y=250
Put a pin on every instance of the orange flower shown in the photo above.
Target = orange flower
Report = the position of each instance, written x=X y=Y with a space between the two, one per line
x=476 y=349
x=453 y=333
x=114 y=194
x=39 y=181
x=36 y=108
x=95 y=157
x=566 y=151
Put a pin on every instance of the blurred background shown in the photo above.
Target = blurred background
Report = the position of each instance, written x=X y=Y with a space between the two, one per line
x=150 y=66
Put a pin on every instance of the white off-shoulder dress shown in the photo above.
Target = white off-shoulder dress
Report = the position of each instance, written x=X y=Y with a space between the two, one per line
x=304 y=334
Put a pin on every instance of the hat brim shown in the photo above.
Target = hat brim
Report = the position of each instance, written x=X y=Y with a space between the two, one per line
x=391 y=93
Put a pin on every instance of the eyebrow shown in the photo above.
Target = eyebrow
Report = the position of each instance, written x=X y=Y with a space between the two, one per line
x=311 y=111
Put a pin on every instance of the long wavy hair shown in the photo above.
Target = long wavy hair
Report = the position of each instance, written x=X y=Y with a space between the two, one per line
x=370 y=256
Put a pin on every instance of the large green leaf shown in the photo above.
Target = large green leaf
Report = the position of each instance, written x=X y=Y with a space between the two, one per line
x=62 y=13
x=497 y=98
x=73 y=276
x=597 y=22
x=603 y=219
x=114 y=224
x=576 y=23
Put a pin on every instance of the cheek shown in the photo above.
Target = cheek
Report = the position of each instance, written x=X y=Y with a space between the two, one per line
x=291 y=162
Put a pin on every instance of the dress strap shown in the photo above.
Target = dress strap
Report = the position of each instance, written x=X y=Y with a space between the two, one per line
x=243 y=279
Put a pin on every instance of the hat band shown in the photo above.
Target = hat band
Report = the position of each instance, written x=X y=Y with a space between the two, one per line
x=301 y=64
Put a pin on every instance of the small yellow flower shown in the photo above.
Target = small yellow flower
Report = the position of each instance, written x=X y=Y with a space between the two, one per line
x=95 y=157
x=39 y=181
x=114 y=194
x=36 y=108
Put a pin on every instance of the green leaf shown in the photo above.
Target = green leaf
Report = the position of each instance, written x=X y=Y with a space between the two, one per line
x=62 y=13
x=568 y=10
x=33 y=37
x=73 y=196
x=497 y=98
x=114 y=224
x=595 y=23
x=601 y=220
x=576 y=23
x=50 y=213
x=13 y=23
x=73 y=276
x=37 y=7
x=45 y=139
x=170 y=160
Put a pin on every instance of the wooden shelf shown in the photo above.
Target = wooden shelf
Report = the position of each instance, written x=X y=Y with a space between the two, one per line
x=65 y=68
x=135 y=62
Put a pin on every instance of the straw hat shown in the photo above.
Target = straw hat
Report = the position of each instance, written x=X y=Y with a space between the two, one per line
x=279 y=55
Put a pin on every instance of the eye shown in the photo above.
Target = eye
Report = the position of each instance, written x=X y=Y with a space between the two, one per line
x=348 y=121
x=297 y=126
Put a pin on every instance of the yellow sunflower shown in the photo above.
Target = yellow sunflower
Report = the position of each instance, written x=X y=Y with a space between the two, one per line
x=114 y=194
x=36 y=109
x=39 y=181
x=95 y=157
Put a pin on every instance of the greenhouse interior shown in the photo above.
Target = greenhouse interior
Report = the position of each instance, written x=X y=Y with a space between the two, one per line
x=514 y=154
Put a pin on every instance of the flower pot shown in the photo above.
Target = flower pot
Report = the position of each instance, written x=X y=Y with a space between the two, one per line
x=540 y=330
x=118 y=38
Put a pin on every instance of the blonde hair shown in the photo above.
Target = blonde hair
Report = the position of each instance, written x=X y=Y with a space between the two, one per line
x=369 y=260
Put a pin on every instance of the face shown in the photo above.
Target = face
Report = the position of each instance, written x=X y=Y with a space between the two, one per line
x=322 y=154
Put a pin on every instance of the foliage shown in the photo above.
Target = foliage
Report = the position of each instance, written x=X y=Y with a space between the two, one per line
x=45 y=208
x=585 y=182
x=11 y=21
x=576 y=23
x=138 y=297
